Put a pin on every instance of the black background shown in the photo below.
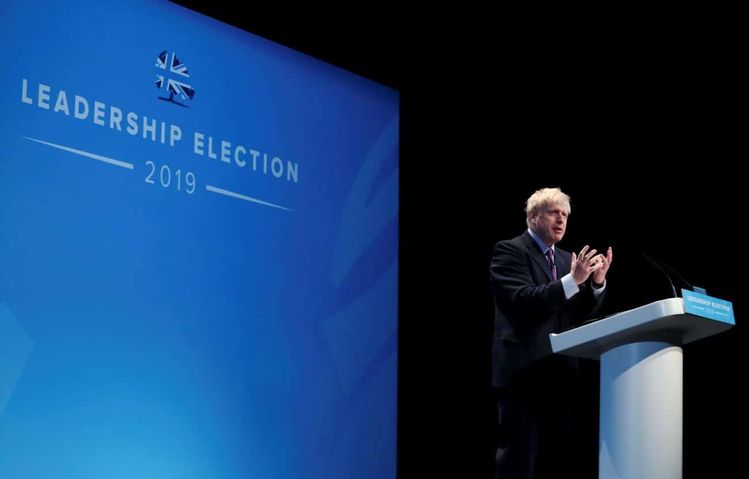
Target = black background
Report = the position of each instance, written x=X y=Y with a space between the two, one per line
x=638 y=115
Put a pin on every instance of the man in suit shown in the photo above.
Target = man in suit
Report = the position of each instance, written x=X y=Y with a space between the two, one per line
x=541 y=289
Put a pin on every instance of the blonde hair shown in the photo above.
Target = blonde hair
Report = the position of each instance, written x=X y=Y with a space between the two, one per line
x=542 y=198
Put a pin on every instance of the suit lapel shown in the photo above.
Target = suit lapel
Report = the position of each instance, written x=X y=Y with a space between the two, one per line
x=564 y=262
x=537 y=255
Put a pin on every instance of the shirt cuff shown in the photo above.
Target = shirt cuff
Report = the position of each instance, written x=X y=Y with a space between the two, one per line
x=570 y=287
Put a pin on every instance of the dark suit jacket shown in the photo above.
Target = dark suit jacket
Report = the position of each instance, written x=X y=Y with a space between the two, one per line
x=528 y=305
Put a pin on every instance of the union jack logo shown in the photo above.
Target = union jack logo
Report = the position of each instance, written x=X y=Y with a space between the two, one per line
x=173 y=86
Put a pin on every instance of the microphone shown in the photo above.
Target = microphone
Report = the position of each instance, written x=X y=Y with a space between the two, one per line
x=676 y=273
x=660 y=268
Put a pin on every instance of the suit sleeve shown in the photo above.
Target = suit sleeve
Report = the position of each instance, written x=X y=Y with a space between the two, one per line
x=515 y=287
x=589 y=304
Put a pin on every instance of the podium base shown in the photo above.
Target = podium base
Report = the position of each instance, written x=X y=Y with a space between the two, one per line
x=641 y=412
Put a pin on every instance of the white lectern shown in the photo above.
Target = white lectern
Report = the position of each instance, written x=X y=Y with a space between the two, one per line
x=641 y=384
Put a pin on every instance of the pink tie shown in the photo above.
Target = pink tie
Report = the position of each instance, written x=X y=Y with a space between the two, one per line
x=552 y=264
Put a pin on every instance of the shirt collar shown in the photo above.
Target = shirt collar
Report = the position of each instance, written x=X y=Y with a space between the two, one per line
x=540 y=243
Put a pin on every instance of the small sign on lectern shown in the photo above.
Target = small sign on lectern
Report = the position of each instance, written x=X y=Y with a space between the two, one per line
x=707 y=306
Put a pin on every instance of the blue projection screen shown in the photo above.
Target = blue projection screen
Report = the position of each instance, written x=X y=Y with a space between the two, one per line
x=198 y=251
